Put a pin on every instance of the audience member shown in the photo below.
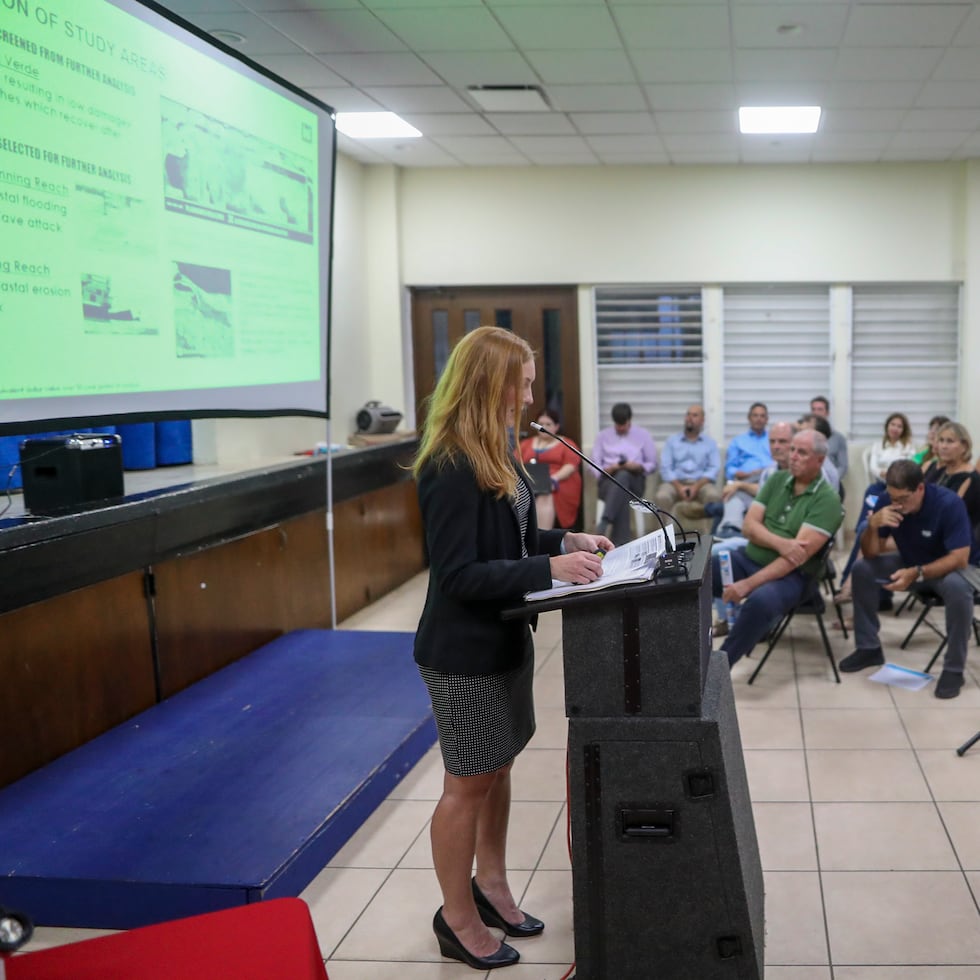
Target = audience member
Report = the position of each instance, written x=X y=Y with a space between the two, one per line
x=931 y=531
x=560 y=507
x=896 y=443
x=926 y=456
x=628 y=453
x=818 y=422
x=791 y=519
x=689 y=466
x=748 y=453
x=953 y=470
x=836 y=443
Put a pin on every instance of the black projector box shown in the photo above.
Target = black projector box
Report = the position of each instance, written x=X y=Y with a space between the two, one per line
x=67 y=473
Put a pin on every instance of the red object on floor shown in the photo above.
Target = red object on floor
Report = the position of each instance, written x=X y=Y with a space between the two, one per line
x=250 y=942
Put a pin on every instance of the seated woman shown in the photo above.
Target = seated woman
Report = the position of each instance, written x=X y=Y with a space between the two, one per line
x=895 y=444
x=560 y=507
x=954 y=449
x=926 y=456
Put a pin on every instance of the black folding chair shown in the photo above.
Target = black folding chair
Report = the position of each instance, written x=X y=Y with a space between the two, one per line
x=932 y=600
x=811 y=604
x=966 y=745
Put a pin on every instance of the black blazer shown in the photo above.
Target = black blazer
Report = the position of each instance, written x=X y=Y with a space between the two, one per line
x=475 y=570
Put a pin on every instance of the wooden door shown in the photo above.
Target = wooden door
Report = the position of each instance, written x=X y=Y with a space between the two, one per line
x=545 y=316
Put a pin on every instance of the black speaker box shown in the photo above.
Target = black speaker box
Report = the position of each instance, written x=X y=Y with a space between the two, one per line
x=666 y=876
x=69 y=473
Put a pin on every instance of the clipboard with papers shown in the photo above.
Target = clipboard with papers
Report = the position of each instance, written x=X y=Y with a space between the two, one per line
x=629 y=563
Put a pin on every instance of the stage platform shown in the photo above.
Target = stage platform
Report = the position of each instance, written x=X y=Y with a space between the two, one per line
x=238 y=789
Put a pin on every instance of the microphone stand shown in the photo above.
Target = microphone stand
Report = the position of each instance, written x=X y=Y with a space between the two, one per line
x=646 y=504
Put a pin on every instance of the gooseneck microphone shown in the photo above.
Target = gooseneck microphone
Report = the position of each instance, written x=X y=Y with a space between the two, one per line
x=645 y=504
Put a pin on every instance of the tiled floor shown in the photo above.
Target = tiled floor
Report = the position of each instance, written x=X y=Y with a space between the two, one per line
x=868 y=826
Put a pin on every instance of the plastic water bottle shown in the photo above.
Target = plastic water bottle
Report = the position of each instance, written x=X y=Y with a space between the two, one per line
x=725 y=566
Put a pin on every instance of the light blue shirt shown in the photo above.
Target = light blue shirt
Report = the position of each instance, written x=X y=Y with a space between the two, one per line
x=689 y=460
x=746 y=453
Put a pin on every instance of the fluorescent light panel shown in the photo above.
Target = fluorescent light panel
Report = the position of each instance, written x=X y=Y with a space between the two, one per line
x=375 y=126
x=778 y=119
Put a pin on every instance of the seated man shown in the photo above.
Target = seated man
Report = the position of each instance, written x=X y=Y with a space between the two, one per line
x=746 y=459
x=931 y=531
x=689 y=468
x=628 y=453
x=791 y=519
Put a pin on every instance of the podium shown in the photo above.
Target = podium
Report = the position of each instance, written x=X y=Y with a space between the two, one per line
x=666 y=875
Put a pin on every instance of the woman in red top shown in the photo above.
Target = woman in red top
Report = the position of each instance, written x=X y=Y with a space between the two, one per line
x=560 y=507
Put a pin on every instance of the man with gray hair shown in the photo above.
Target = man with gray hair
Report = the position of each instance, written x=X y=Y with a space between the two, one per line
x=794 y=515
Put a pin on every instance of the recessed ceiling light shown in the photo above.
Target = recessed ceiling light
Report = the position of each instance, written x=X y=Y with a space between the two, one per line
x=374 y=125
x=229 y=37
x=778 y=119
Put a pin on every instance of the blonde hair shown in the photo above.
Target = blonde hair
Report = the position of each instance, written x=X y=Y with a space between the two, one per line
x=467 y=410
x=961 y=434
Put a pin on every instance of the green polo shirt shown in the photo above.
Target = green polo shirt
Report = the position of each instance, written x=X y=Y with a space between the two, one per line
x=818 y=507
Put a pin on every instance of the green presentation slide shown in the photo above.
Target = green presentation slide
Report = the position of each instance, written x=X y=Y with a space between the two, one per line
x=160 y=214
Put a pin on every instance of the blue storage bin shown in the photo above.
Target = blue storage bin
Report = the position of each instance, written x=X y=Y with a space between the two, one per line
x=174 y=444
x=138 y=445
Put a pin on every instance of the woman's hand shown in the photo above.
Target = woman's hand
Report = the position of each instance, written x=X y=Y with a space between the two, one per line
x=580 y=541
x=579 y=567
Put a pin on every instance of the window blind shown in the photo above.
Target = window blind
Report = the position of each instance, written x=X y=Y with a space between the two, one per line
x=649 y=353
x=776 y=343
x=905 y=355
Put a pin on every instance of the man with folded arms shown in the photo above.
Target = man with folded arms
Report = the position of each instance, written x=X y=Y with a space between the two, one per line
x=794 y=515
x=933 y=541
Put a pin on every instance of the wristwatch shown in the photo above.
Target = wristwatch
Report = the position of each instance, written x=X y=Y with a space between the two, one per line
x=920 y=575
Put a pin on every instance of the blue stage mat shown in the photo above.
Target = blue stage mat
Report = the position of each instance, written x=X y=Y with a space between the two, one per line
x=237 y=789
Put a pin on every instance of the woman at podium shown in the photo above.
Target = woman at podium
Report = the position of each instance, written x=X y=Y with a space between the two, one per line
x=485 y=554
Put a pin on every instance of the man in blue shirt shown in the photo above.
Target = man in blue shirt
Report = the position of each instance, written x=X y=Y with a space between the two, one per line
x=748 y=453
x=931 y=532
x=689 y=467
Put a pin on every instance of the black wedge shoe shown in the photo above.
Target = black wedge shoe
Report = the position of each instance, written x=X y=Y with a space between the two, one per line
x=450 y=946
x=491 y=917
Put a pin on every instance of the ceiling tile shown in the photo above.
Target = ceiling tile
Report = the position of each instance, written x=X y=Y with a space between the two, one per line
x=465 y=68
x=679 y=97
x=931 y=139
x=392 y=68
x=701 y=142
x=783 y=149
x=705 y=157
x=450 y=124
x=958 y=64
x=860 y=120
x=578 y=27
x=689 y=65
x=871 y=95
x=260 y=37
x=418 y=98
x=599 y=123
x=302 y=69
x=674 y=26
x=949 y=95
x=581 y=67
x=596 y=98
x=412 y=153
x=260 y=6
x=447 y=29
x=648 y=143
x=489 y=151
x=969 y=32
x=335 y=31
x=903 y=25
x=812 y=25
x=530 y=123
x=346 y=99
x=697 y=122
x=961 y=120
x=770 y=65
x=887 y=64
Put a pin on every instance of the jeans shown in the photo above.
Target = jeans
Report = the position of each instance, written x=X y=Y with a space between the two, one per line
x=956 y=593
x=764 y=607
